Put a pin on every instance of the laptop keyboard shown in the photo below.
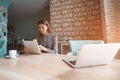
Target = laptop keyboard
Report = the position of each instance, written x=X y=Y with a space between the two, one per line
x=73 y=62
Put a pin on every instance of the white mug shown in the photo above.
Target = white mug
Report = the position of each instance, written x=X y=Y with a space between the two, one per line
x=13 y=53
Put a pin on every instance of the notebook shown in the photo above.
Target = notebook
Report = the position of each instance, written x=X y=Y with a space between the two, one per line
x=94 y=54
x=32 y=45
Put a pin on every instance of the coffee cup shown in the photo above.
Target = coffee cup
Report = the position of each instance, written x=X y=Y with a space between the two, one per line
x=13 y=53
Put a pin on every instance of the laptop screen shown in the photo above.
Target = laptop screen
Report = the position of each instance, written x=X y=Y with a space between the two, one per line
x=32 y=45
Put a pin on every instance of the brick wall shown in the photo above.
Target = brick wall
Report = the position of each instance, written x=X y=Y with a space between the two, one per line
x=117 y=18
x=78 y=19
x=86 y=19
x=112 y=22
x=110 y=25
x=81 y=19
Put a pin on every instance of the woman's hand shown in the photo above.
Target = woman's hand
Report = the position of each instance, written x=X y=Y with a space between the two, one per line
x=26 y=50
x=43 y=48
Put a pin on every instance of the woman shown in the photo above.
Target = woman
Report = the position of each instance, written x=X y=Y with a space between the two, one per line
x=48 y=42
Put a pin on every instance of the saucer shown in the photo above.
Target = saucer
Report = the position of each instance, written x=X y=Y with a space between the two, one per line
x=7 y=57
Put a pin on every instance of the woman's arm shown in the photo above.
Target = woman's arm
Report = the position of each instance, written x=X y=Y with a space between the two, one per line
x=43 y=48
x=26 y=50
x=54 y=48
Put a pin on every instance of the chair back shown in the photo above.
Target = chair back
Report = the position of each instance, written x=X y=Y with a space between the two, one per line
x=77 y=44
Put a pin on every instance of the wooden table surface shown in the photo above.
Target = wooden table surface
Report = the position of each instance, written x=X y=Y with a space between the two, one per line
x=51 y=67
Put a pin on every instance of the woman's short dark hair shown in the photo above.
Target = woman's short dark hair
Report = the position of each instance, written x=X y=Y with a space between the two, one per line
x=45 y=22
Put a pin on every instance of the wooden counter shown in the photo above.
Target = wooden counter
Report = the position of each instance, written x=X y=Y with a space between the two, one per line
x=51 y=67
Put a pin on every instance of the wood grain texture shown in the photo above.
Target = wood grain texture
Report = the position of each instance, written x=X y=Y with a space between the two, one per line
x=51 y=67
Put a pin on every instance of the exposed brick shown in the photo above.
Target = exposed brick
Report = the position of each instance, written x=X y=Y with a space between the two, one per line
x=77 y=14
x=83 y=18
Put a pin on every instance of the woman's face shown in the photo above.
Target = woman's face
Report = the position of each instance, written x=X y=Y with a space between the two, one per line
x=42 y=29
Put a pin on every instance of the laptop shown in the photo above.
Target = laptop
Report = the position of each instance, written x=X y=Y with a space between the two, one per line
x=94 y=54
x=32 y=45
x=76 y=44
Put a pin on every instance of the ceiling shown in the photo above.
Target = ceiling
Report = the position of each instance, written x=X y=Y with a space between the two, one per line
x=25 y=8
